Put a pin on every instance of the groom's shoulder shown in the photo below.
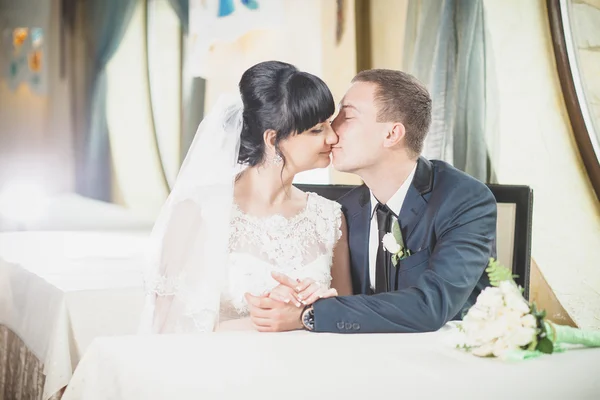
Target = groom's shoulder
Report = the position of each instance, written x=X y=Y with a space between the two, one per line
x=354 y=197
x=447 y=178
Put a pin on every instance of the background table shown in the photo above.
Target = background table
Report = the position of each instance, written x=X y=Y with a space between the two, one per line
x=60 y=290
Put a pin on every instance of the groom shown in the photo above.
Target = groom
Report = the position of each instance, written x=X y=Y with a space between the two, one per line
x=447 y=220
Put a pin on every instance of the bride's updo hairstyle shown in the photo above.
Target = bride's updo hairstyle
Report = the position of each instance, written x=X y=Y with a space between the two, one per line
x=278 y=96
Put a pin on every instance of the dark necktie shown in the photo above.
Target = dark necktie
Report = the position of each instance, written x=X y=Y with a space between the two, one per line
x=384 y=219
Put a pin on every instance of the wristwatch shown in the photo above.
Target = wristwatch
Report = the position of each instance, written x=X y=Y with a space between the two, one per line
x=308 y=318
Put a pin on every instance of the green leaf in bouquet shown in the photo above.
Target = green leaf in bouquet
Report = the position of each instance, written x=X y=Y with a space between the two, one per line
x=498 y=273
x=545 y=345
x=397 y=233
x=533 y=345
x=540 y=316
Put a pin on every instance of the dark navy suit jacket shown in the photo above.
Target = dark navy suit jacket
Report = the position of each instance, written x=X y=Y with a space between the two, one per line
x=448 y=222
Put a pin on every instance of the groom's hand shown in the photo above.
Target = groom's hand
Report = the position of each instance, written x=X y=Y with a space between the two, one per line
x=269 y=315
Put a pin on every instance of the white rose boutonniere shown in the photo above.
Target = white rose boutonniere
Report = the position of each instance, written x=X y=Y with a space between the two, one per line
x=393 y=243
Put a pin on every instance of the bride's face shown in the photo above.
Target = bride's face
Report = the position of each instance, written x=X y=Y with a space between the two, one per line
x=310 y=149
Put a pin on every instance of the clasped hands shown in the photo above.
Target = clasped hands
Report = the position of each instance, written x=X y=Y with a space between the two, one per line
x=280 y=309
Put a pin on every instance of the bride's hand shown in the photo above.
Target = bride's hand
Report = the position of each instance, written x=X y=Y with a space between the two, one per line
x=306 y=291
x=310 y=291
x=285 y=291
x=284 y=294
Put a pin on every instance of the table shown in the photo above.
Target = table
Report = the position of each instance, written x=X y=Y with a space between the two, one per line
x=72 y=212
x=60 y=290
x=303 y=365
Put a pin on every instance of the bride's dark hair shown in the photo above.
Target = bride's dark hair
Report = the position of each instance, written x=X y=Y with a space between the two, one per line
x=278 y=96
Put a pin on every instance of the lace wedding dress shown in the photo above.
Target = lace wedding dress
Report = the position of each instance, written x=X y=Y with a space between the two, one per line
x=299 y=247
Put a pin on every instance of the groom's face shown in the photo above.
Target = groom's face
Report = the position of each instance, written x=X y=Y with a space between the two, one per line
x=360 y=135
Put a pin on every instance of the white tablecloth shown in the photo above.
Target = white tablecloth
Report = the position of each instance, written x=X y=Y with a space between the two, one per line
x=302 y=365
x=60 y=290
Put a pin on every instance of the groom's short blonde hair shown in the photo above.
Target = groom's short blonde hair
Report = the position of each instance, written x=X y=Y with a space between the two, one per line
x=401 y=98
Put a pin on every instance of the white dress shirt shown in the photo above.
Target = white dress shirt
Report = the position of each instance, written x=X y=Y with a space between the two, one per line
x=395 y=204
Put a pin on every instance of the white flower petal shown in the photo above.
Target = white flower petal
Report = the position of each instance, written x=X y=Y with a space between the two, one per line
x=500 y=347
x=509 y=287
x=521 y=337
x=490 y=297
x=483 y=351
x=390 y=244
x=476 y=313
x=528 y=321
x=517 y=303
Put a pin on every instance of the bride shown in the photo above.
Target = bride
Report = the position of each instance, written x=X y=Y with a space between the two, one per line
x=234 y=224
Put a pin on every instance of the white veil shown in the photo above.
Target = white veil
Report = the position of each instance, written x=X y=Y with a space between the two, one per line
x=188 y=246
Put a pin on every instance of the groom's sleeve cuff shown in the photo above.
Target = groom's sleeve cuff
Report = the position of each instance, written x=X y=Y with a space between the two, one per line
x=330 y=317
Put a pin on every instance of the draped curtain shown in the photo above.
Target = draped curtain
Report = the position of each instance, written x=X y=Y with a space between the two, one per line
x=105 y=24
x=193 y=88
x=445 y=48
x=182 y=9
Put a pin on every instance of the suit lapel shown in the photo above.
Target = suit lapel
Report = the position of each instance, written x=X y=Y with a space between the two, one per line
x=414 y=206
x=359 y=239
x=414 y=203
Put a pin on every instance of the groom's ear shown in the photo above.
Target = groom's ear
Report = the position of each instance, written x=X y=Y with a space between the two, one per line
x=395 y=135
x=269 y=137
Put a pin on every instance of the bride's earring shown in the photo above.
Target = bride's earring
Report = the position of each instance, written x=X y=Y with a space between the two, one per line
x=276 y=159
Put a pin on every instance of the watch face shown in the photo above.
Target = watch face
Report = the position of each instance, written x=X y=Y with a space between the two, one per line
x=308 y=319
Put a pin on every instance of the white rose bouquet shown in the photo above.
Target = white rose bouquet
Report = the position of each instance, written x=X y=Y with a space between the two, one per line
x=503 y=324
